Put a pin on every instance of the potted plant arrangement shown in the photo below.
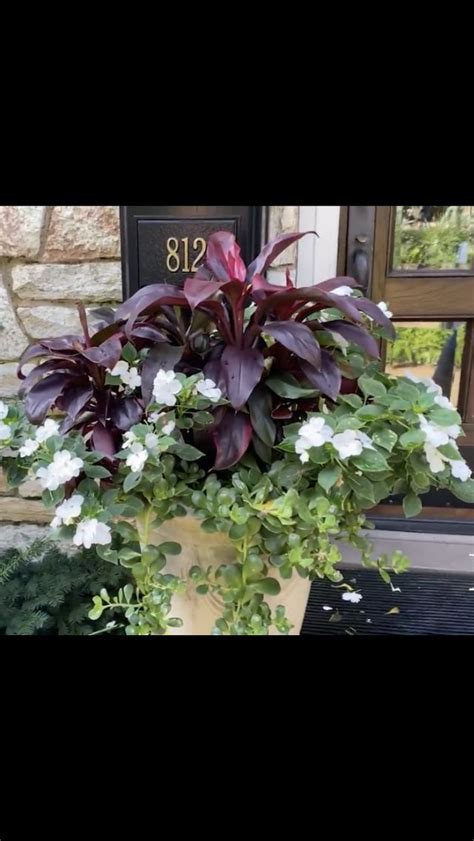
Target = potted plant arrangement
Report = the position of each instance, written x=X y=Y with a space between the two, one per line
x=222 y=440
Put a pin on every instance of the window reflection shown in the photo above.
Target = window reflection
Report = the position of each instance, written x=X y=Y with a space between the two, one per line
x=433 y=237
x=429 y=349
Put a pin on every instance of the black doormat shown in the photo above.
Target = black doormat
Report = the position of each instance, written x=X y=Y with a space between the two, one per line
x=428 y=603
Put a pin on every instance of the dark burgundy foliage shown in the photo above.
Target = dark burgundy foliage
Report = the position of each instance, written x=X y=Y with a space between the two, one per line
x=207 y=326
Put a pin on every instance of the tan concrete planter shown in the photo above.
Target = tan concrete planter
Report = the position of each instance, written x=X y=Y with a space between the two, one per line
x=199 y=613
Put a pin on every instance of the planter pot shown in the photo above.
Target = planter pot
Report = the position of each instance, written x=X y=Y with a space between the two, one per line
x=199 y=613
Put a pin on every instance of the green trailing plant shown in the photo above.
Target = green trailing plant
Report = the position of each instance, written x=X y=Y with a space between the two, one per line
x=47 y=592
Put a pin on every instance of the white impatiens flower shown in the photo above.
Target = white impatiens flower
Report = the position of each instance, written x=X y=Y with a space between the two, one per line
x=49 y=428
x=29 y=447
x=5 y=432
x=3 y=410
x=347 y=443
x=351 y=597
x=151 y=441
x=444 y=402
x=127 y=374
x=165 y=388
x=209 y=389
x=62 y=469
x=129 y=439
x=342 y=290
x=137 y=458
x=132 y=378
x=91 y=532
x=459 y=469
x=383 y=306
x=437 y=435
x=434 y=458
x=313 y=433
x=67 y=511
x=119 y=369
x=364 y=440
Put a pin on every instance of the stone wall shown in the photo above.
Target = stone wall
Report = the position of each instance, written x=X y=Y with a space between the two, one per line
x=50 y=257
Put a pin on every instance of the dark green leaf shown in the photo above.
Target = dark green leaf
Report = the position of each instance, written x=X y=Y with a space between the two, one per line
x=371 y=387
x=131 y=481
x=328 y=476
x=463 y=490
x=186 y=452
x=260 y=407
x=411 y=505
x=170 y=548
x=445 y=417
x=267 y=586
x=370 y=461
x=412 y=438
x=288 y=386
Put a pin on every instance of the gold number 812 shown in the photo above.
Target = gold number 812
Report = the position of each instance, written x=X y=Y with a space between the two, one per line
x=174 y=262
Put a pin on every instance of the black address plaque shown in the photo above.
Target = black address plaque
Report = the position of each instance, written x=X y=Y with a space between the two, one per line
x=168 y=244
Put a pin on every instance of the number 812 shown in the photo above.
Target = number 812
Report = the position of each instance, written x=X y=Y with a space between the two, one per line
x=174 y=262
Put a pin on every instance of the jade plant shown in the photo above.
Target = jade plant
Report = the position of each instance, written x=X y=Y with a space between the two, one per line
x=258 y=409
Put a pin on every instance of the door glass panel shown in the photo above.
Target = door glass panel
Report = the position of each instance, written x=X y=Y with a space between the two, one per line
x=431 y=349
x=434 y=238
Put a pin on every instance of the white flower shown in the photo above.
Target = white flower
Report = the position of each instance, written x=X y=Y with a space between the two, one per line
x=166 y=387
x=209 y=389
x=313 y=433
x=137 y=458
x=169 y=427
x=130 y=438
x=364 y=440
x=28 y=448
x=460 y=470
x=5 y=432
x=342 y=290
x=90 y=532
x=431 y=386
x=351 y=597
x=347 y=443
x=434 y=434
x=326 y=607
x=68 y=511
x=49 y=428
x=155 y=416
x=3 y=410
x=434 y=458
x=151 y=441
x=383 y=306
x=444 y=402
x=63 y=468
x=128 y=375
x=119 y=369
x=132 y=378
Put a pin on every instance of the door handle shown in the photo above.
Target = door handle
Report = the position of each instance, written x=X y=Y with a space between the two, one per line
x=360 y=271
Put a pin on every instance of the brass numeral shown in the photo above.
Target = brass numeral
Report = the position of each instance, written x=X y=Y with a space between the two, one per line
x=173 y=260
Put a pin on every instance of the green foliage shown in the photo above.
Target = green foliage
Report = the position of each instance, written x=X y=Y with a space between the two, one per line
x=44 y=591
x=423 y=345
x=433 y=246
